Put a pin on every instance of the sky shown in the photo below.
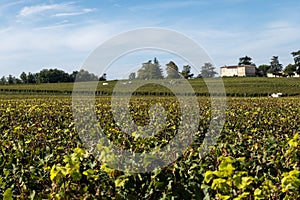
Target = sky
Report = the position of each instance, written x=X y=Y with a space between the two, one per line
x=36 y=34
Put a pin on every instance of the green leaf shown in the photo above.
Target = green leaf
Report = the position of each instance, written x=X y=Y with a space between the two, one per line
x=258 y=194
x=209 y=175
x=53 y=173
x=32 y=195
x=8 y=194
x=89 y=172
x=244 y=195
x=223 y=197
x=120 y=181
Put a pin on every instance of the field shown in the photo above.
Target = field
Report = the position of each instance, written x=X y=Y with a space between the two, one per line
x=235 y=87
x=255 y=157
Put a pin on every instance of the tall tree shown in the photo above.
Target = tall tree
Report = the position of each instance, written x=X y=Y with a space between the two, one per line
x=186 y=72
x=3 y=80
x=23 y=77
x=150 y=70
x=10 y=79
x=157 y=71
x=296 y=56
x=172 y=70
x=246 y=60
x=275 y=66
x=31 y=78
x=43 y=76
x=263 y=69
x=143 y=72
x=290 y=70
x=131 y=76
x=208 y=70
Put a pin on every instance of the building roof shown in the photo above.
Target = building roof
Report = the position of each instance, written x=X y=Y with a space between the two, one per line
x=236 y=66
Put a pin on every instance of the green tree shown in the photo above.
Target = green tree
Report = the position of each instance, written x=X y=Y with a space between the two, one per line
x=246 y=60
x=131 y=76
x=72 y=76
x=3 y=80
x=23 y=77
x=31 y=78
x=290 y=70
x=43 y=76
x=296 y=56
x=103 y=77
x=172 y=70
x=53 y=76
x=143 y=72
x=157 y=72
x=275 y=66
x=208 y=70
x=10 y=79
x=263 y=69
x=186 y=72
x=150 y=70
x=84 y=75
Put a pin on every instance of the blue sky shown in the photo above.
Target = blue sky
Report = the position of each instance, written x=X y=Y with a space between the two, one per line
x=37 y=34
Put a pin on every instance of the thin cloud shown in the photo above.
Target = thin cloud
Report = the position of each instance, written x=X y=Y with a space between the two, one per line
x=10 y=4
x=226 y=46
x=33 y=49
x=68 y=14
x=33 y=10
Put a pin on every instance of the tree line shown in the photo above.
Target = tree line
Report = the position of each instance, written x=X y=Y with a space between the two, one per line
x=51 y=76
x=275 y=67
x=153 y=70
x=149 y=70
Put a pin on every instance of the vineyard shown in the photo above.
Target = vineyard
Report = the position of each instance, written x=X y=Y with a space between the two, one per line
x=257 y=155
x=235 y=87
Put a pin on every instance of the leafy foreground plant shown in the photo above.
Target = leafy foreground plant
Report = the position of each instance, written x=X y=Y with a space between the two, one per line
x=228 y=182
x=256 y=156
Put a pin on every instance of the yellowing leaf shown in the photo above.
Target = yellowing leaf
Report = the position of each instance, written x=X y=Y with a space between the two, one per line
x=8 y=194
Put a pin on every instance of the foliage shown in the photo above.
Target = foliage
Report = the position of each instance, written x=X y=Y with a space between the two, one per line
x=51 y=76
x=275 y=66
x=235 y=86
x=296 y=56
x=228 y=182
x=263 y=69
x=208 y=70
x=186 y=72
x=103 y=77
x=132 y=76
x=257 y=155
x=290 y=70
x=172 y=71
x=150 y=70
x=246 y=60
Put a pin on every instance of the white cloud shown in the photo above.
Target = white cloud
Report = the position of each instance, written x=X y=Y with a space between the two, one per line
x=65 y=14
x=5 y=6
x=32 y=10
x=28 y=49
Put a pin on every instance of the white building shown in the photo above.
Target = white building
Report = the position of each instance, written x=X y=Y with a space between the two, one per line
x=238 y=70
